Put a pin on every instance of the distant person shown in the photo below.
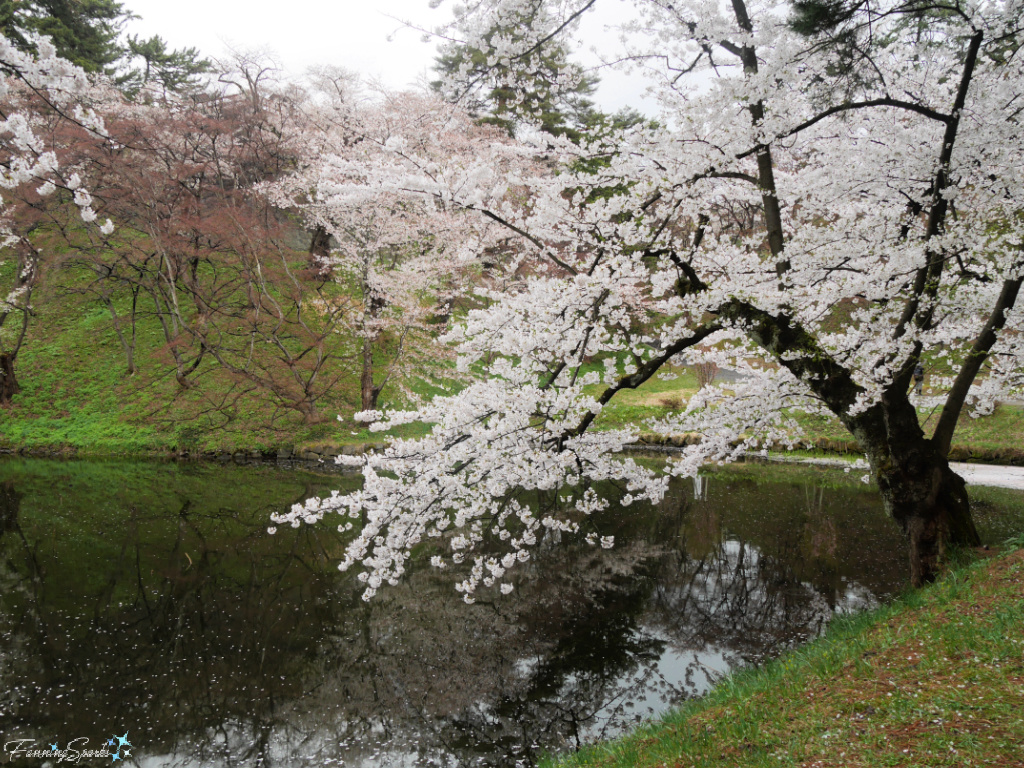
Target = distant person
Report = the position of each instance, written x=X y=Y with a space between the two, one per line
x=918 y=379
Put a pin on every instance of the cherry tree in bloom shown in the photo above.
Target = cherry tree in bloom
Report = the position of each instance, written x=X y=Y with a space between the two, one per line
x=36 y=93
x=404 y=258
x=883 y=153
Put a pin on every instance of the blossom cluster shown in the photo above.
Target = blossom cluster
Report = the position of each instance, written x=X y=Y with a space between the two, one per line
x=817 y=238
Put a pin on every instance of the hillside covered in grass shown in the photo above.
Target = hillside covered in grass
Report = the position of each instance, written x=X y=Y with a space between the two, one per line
x=77 y=395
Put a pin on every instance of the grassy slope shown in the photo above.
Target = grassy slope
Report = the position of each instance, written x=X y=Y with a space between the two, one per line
x=936 y=679
x=76 y=395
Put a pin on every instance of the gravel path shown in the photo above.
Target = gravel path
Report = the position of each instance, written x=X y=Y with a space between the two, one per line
x=989 y=474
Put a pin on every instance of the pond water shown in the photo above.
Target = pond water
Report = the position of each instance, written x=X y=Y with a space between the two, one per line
x=147 y=600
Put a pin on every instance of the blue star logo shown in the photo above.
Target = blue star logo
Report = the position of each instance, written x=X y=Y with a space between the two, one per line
x=53 y=747
x=117 y=745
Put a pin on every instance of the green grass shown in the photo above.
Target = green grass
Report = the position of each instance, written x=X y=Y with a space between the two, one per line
x=76 y=397
x=935 y=679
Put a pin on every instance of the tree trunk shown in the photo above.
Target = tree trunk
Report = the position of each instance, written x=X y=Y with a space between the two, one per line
x=320 y=252
x=309 y=411
x=929 y=502
x=8 y=382
x=921 y=493
x=926 y=498
x=366 y=388
x=127 y=346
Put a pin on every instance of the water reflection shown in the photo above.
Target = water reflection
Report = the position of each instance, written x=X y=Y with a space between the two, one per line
x=149 y=599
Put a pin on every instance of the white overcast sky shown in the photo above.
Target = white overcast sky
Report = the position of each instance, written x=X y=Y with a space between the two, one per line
x=361 y=35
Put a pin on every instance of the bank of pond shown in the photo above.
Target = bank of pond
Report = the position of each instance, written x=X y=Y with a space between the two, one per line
x=147 y=599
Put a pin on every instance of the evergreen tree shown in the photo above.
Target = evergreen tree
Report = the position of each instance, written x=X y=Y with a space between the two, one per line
x=85 y=32
x=174 y=71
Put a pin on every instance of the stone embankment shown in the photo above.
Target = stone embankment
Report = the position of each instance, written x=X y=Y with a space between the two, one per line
x=325 y=453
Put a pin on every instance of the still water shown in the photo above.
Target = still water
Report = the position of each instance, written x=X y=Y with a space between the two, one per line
x=147 y=600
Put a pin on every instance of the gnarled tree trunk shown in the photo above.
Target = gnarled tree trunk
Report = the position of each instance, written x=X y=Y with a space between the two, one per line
x=928 y=500
x=921 y=493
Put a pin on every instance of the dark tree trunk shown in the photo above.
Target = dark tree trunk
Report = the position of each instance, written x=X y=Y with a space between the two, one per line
x=8 y=381
x=319 y=252
x=921 y=493
x=926 y=498
x=929 y=502
x=369 y=392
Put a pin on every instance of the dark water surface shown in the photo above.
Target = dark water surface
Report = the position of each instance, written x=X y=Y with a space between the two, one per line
x=147 y=600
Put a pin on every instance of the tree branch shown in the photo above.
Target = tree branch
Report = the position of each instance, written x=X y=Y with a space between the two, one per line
x=926 y=283
x=943 y=436
x=523 y=233
x=884 y=102
x=645 y=371
x=813 y=365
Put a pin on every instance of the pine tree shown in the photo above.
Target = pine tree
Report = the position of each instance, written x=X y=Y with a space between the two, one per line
x=85 y=32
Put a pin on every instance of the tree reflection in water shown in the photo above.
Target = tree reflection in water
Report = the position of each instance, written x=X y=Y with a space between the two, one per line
x=172 y=615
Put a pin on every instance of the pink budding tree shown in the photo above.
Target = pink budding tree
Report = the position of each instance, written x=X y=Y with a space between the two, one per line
x=883 y=153
x=373 y=187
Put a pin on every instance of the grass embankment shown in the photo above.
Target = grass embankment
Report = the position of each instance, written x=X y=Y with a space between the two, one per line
x=935 y=679
x=77 y=397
